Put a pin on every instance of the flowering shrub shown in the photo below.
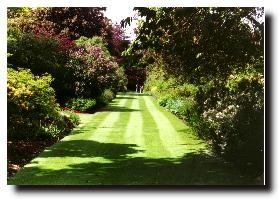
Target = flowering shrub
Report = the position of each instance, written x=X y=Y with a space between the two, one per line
x=32 y=110
x=233 y=117
x=64 y=43
x=95 y=69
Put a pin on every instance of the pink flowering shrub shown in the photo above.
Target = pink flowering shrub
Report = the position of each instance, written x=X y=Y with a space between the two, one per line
x=95 y=69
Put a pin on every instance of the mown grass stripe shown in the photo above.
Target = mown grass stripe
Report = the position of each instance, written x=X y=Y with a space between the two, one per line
x=185 y=133
x=154 y=146
x=80 y=161
x=90 y=122
x=168 y=134
x=89 y=126
x=117 y=132
x=104 y=129
x=134 y=131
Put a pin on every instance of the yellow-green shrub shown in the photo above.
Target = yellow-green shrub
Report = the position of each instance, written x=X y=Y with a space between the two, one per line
x=32 y=109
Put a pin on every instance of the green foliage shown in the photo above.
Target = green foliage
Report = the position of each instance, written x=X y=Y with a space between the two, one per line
x=72 y=116
x=32 y=110
x=154 y=73
x=81 y=104
x=186 y=90
x=200 y=44
x=41 y=54
x=13 y=12
x=14 y=34
x=83 y=71
x=241 y=80
x=179 y=99
x=38 y=54
x=106 y=97
x=94 y=41
x=180 y=107
x=176 y=101
x=163 y=100
x=234 y=117
x=122 y=80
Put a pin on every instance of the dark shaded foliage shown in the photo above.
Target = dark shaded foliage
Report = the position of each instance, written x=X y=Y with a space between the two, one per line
x=135 y=75
x=73 y=21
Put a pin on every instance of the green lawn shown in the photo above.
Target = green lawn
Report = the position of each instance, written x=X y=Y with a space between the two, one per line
x=131 y=142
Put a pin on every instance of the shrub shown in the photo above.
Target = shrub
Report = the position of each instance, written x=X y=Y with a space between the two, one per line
x=186 y=90
x=73 y=118
x=121 y=79
x=165 y=99
x=229 y=115
x=95 y=68
x=179 y=99
x=232 y=117
x=32 y=110
x=43 y=53
x=39 y=52
x=94 y=41
x=106 y=97
x=180 y=106
x=82 y=104
x=225 y=100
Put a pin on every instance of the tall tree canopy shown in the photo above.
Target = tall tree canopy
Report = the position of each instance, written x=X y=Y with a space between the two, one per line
x=74 y=21
x=199 y=42
x=71 y=23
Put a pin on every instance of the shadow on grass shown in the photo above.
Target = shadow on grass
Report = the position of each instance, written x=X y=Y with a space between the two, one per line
x=113 y=108
x=96 y=163
x=136 y=94
x=89 y=148
x=125 y=97
x=120 y=168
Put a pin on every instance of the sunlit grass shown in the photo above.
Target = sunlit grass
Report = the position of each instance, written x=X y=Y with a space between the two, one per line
x=132 y=141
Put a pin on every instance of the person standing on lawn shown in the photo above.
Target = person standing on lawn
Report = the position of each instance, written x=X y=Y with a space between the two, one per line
x=137 y=87
x=141 y=89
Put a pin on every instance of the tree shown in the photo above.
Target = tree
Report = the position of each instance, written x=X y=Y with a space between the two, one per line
x=73 y=22
x=199 y=41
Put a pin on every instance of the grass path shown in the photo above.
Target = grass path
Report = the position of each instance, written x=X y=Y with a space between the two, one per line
x=131 y=142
